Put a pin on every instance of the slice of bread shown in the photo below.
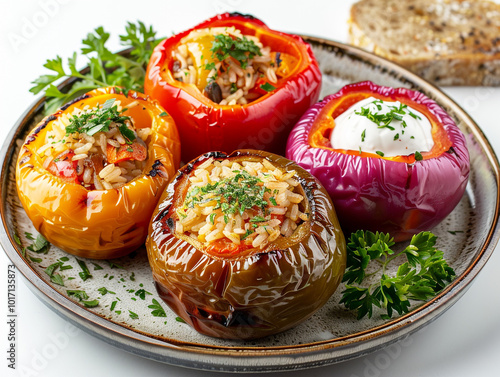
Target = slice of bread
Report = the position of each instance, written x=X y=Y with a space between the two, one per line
x=448 y=42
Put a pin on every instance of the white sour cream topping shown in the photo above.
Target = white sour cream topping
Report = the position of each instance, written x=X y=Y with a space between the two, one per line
x=353 y=131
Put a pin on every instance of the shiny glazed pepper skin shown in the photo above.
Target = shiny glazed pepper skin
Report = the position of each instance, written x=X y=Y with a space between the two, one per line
x=262 y=124
x=99 y=224
x=398 y=195
x=258 y=292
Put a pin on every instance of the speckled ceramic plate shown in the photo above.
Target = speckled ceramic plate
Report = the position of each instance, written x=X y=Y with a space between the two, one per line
x=125 y=291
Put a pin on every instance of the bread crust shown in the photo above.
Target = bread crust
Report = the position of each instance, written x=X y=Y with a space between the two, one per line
x=447 y=42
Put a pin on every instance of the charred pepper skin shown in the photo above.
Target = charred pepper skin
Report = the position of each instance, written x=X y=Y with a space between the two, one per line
x=396 y=195
x=98 y=224
x=264 y=124
x=258 y=292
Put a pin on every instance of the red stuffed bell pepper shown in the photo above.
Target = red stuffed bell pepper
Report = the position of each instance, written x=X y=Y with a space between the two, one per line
x=231 y=82
x=409 y=180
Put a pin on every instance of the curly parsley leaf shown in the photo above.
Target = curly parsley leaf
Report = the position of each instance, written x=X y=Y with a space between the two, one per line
x=105 y=68
x=424 y=274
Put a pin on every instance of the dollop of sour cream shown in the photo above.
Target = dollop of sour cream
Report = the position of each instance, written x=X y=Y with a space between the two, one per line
x=389 y=129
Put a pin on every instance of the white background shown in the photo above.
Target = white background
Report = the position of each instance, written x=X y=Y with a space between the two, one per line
x=465 y=341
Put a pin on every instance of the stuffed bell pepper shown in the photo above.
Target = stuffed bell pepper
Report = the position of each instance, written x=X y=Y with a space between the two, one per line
x=231 y=82
x=90 y=175
x=245 y=245
x=392 y=160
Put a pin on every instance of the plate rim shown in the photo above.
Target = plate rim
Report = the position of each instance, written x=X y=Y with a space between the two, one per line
x=259 y=356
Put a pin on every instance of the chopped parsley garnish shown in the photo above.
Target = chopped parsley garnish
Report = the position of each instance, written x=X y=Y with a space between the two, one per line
x=363 y=135
x=381 y=154
x=418 y=156
x=80 y=295
x=267 y=87
x=179 y=319
x=247 y=233
x=85 y=273
x=113 y=305
x=90 y=304
x=96 y=266
x=104 y=291
x=133 y=315
x=114 y=265
x=158 y=310
x=241 y=49
x=384 y=120
x=29 y=236
x=231 y=195
x=40 y=246
x=273 y=201
x=396 y=137
x=257 y=219
x=142 y=293
x=99 y=120
x=17 y=239
x=36 y=260
x=55 y=277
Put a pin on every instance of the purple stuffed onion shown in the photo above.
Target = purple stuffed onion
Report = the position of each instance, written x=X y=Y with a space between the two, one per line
x=391 y=159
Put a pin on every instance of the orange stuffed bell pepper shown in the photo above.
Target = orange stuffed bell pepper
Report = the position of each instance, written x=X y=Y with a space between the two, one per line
x=231 y=83
x=90 y=175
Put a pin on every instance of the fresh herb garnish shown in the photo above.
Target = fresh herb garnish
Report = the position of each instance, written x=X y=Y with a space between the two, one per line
x=158 y=310
x=273 y=201
x=267 y=87
x=104 y=291
x=99 y=120
x=241 y=49
x=142 y=293
x=85 y=273
x=40 y=246
x=133 y=315
x=113 y=305
x=91 y=304
x=106 y=68
x=179 y=319
x=381 y=154
x=418 y=156
x=29 y=236
x=55 y=277
x=231 y=195
x=96 y=266
x=384 y=120
x=79 y=294
x=363 y=135
x=422 y=276
x=114 y=265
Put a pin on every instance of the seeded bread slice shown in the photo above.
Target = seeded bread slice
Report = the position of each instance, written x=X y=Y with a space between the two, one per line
x=448 y=42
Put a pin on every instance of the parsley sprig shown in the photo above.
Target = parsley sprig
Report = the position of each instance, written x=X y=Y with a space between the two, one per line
x=105 y=67
x=232 y=195
x=241 y=49
x=422 y=276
